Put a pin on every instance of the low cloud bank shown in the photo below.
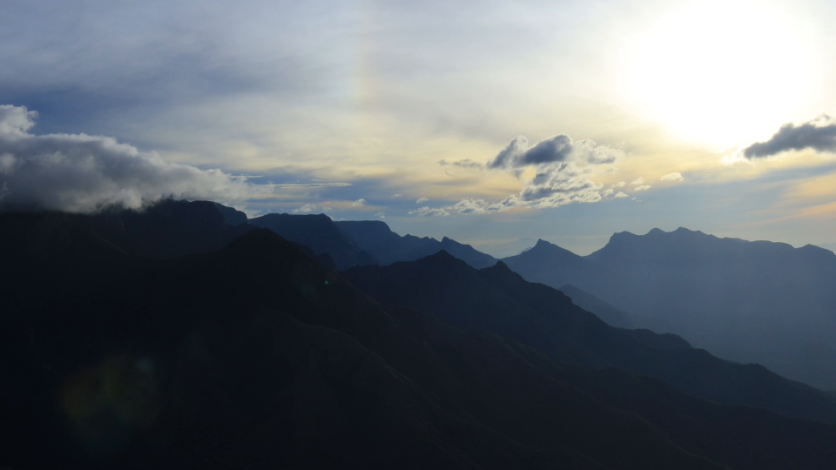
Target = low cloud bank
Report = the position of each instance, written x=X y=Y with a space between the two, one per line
x=818 y=134
x=84 y=173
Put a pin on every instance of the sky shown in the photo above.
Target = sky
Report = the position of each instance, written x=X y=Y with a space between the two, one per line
x=493 y=123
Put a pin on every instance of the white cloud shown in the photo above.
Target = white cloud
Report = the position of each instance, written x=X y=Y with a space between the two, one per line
x=621 y=195
x=638 y=182
x=563 y=174
x=675 y=176
x=426 y=211
x=358 y=203
x=620 y=184
x=380 y=215
x=421 y=199
x=84 y=173
x=643 y=187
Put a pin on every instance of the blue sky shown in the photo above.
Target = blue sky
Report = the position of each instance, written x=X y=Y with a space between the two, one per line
x=611 y=115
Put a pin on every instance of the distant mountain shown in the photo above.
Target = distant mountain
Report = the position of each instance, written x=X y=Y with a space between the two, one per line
x=747 y=301
x=319 y=233
x=257 y=356
x=611 y=315
x=387 y=247
x=500 y=301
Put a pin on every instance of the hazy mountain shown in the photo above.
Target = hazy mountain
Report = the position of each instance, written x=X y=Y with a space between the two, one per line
x=500 y=301
x=257 y=356
x=387 y=247
x=747 y=301
x=319 y=233
x=611 y=315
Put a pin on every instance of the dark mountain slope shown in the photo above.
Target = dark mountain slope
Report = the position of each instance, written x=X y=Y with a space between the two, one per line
x=257 y=356
x=319 y=233
x=375 y=237
x=500 y=301
x=747 y=301
x=611 y=315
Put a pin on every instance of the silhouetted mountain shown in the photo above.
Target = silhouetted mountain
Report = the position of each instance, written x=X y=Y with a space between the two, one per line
x=257 y=356
x=232 y=216
x=747 y=301
x=500 y=301
x=319 y=233
x=611 y=315
x=387 y=247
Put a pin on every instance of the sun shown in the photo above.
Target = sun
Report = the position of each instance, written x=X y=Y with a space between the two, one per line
x=719 y=72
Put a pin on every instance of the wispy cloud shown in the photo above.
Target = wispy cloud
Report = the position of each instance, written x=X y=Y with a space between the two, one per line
x=465 y=163
x=421 y=200
x=675 y=176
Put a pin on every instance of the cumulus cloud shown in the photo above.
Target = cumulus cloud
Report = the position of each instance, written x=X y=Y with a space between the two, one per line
x=84 y=173
x=818 y=134
x=643 y=187
x=557 y=149
x=675 y=176
x=563 y=172
x=420 y=200
x=380 y=215
x=620 y=184
x=621 y=195
x=426 y=211
x=466 y=163
x=358 y=203
x=638 y=181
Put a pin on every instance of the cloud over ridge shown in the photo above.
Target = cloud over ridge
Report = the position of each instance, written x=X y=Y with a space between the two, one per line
x=818 y=134
x=85 y=173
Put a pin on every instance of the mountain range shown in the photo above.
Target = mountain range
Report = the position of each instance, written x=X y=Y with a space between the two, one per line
x=746 y=301
x=257 y=355
x=176 y=338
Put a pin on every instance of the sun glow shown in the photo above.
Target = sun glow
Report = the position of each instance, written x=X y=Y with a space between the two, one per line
x=719 y=73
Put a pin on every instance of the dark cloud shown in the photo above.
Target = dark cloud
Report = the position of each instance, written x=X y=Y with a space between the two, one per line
x=84 y=173
x=557 y=149
x=819 y=134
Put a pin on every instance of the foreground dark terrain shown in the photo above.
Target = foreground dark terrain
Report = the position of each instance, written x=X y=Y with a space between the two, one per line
x=146 y=341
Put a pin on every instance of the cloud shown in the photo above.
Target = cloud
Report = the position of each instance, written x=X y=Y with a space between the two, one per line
x=620 y=184
x=643 y=187
x=818 y=134
x=563 y=170
x=358 y=203
x=421 y=199
x=309 y=185
x=621 y=194
x=557 y=149
x=426 y=211
x=394 y=196
x=84 y=173
x=380 y=215
x=675 y=176
x=466 y=163
x=637 y=182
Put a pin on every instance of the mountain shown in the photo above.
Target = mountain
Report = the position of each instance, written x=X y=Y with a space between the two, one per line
x=611 y=315
x=258 y=356
x=747 y=301
x=387 y=247
x=500 y=301
x=319 y=233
